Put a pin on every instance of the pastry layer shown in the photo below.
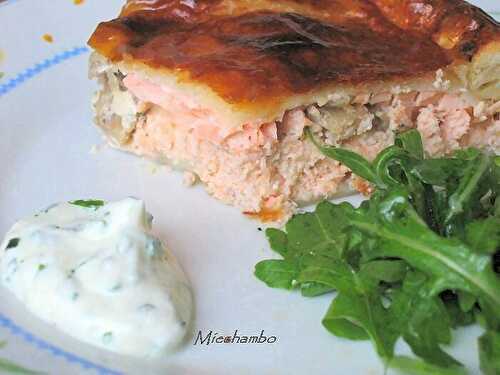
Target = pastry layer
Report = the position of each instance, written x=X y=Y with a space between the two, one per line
x=250 y=61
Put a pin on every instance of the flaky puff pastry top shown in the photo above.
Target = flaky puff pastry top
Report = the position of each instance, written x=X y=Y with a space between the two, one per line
x=261 y=51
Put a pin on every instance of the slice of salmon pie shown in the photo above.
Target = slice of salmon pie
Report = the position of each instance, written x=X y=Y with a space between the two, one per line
x=225 y=88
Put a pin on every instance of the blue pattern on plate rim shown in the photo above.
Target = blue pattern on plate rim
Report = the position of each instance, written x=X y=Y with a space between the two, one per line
x=40 y=67
x=55 y=351
x=5 y=321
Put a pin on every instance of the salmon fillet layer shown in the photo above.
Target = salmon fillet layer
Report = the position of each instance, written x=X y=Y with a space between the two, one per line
x=268 y=169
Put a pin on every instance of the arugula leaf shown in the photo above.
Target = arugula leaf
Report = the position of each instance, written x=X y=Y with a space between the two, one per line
x=438 y=172
x=435 y=207
x=312 y=289
x=357 y=313
x=487 y=317
x=389 y=271
x=468 y=185
x=413 y=366
x=355 y=162
x=458 y=317
x=318 y=232
x=90 y=203
x=332 y=273
x=466 y=301
x=470 y=153
x=9 y=367
x=489 y=353
x=423 y=320
x=411 y=141
x=277 y=273
x=385 y=160
x=483 y=235
x=403 y=234
x=308 y=238
x=277 y=240
x=416 y=260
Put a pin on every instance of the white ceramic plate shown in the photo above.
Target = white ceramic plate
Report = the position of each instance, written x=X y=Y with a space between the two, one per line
x=45 y=142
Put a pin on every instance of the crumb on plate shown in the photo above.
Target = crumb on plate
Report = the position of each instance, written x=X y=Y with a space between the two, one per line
x=154 y=167
x=78 y=2
x=48 y=38
x=189 y=179
x=94 y=149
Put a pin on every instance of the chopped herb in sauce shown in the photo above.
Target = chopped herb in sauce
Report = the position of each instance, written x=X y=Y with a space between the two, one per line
x=90 y=203
x=107 y=337
x=147 y=307
x=49 y=208
x=41 y=267
x=153 y=247
x=12 y=243
x=117 y=287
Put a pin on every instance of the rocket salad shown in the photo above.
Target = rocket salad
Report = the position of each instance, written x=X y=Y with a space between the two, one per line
x=417 y=260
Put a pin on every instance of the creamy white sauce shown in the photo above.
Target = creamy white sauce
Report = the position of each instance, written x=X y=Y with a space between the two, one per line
x=99 y=275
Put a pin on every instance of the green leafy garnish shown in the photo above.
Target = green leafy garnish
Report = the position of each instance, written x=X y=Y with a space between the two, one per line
x=489 y=353
x=90 y=203
x=357 y=163
x=418 y=259
x=357 y=313
x=277 y=273
x=423 y=321
x=8 y=367
x=417 y=367
x=483 y=235
x=411 y=142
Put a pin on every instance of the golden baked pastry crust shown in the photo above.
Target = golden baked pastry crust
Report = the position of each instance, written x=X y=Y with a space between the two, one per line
x=257 y=54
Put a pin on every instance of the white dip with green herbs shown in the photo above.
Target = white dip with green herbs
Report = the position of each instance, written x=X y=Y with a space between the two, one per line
x=95 y=271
